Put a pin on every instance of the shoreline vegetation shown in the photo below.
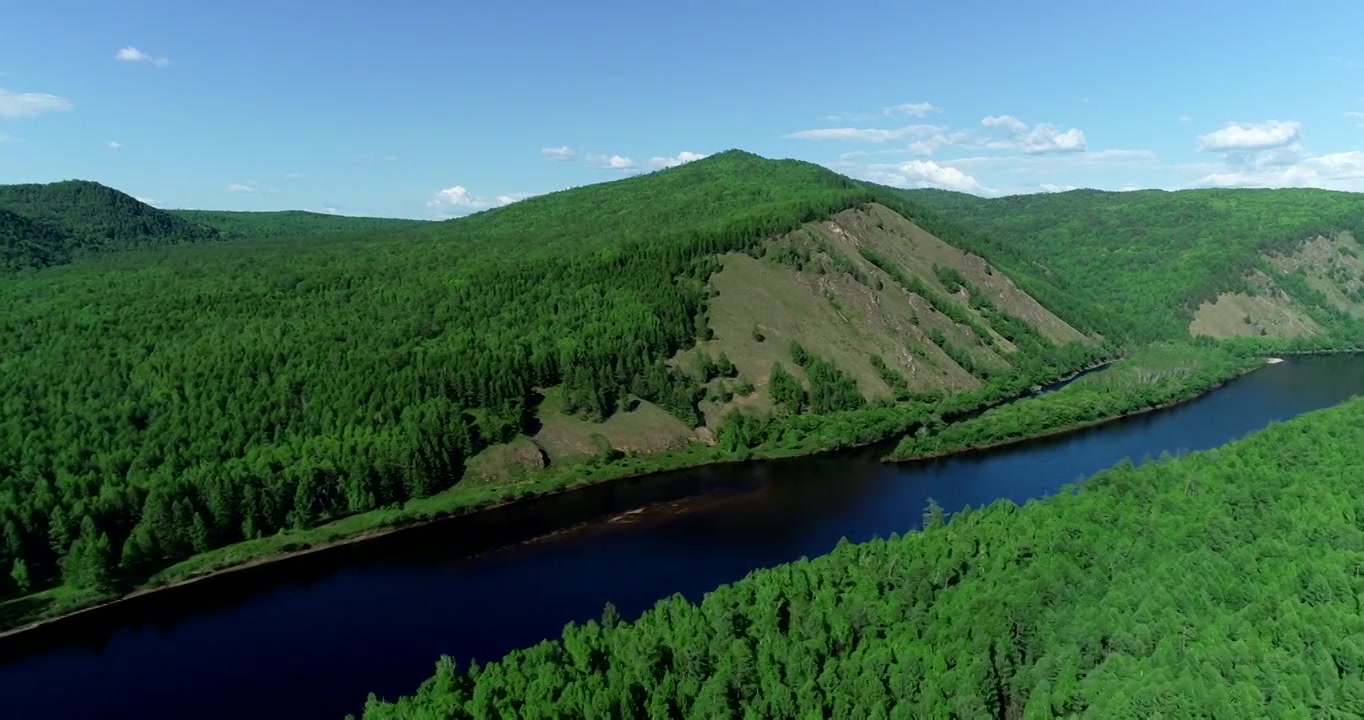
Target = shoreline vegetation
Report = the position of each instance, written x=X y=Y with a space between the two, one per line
x=1155 y=378
x=465 y=501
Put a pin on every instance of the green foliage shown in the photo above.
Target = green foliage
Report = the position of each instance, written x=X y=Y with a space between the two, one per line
x=785 y=390
x=892 y=378
x=53 y=224
x=1157 y=375
x=831 y=389
x=950 y=277
x=1183 y=588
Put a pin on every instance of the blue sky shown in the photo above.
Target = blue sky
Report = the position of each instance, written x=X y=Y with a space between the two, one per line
x=421 y=108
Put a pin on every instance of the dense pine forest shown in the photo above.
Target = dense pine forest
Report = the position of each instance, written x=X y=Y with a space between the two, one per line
x=176 y=382
x=1220 y=584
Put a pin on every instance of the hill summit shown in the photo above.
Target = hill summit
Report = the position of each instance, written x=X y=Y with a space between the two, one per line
x=52 y=224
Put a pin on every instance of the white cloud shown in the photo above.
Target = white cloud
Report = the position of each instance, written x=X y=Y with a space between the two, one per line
x=1333 y=171
x=682 y=158
x=293 y=176
x=1250 y=136
x=329 y=209
x=1118 y=155
x=919 y=109
x=18 y=105
x=458 y=199
x=133 y=55
x=875 y=135
x=613 y=162
x=146 y=200
x=921 y=174
x=241 y=188
x=1041 y=139
x=1008 y=122
x=563 y=152
x=457 y=196
x=1050 y=188
x=115 y=145
x=1047 y=138
x=936 y=141
x=1185 y=119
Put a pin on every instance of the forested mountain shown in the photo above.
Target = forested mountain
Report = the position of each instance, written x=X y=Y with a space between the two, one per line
x=158 y=406
x=1223 y=584
x=288 y=224
x=63 y=221
x=1157 y=264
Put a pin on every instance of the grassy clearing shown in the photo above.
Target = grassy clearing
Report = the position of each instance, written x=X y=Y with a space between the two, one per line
x=645 y=430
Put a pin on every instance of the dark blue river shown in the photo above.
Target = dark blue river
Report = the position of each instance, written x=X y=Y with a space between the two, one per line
x=310 y=638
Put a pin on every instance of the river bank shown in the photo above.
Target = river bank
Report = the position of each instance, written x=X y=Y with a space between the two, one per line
x=1155 y=378
x=52 y=606
x=1056 y=432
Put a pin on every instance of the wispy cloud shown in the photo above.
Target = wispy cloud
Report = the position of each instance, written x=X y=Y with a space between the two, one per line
x=919 y=109
x=241 y=188
x=874 y=135
x=1037 y=140
x=133 y=55
x=563 y=152
x=114 y=145
x=28 y=104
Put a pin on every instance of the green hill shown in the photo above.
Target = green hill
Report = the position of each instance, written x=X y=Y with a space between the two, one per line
x=1156 y=264
x=1221 y=584
x=75 y=218
x=290 y=224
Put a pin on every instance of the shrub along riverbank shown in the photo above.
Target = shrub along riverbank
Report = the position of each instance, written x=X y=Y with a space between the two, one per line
x=1220 y=584
x=1155 y=377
